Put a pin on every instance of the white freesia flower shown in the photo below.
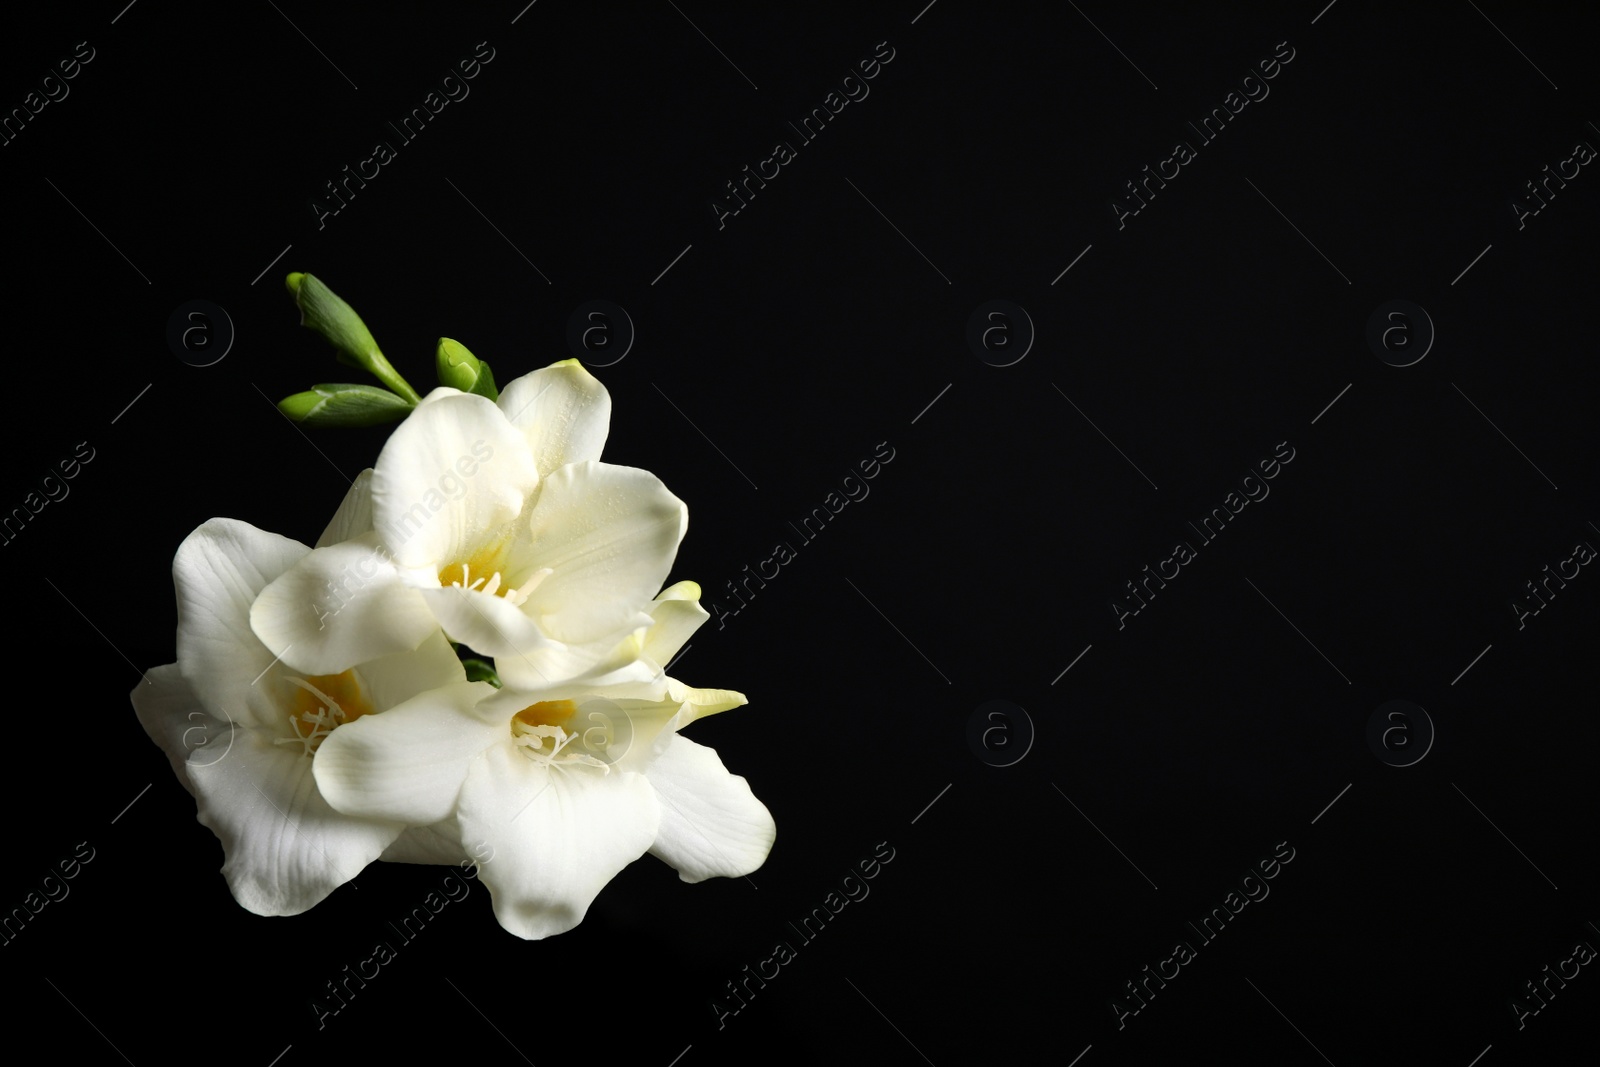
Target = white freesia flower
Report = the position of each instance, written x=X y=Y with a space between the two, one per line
x=241 y=729
x=496 y=521
x=564 y=785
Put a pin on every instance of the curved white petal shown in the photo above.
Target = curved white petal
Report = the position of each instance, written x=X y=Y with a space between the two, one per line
x=218 y=571
x=608 y=534
x=698 y=703
x=711 y=824
x=564 y=411
x=588 y=666
x=440 y=391
x=452 y=474
x=677 y=614
x=489 y=624
x=171 y=715
x=608 y=722
x=340 y=606
x=659 y=710
x=354 y=516
x=525 y=657
x=438 y=844
x=558 y=836
x=393 y=680
x=407 y=764
x=285 y=848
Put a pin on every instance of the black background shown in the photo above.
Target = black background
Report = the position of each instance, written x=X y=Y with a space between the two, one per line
x=1218 y=722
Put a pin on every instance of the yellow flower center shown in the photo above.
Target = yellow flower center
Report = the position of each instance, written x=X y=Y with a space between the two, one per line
x=485 y=563
x=546 y=713
x=540 y=731
x=320 y=704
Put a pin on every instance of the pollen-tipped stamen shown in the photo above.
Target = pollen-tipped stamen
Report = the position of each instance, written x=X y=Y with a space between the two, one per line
x=323 y=717
x=492 y=585
x=538 y=723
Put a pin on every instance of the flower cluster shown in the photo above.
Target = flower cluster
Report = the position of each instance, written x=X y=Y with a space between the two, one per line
x=333 y=678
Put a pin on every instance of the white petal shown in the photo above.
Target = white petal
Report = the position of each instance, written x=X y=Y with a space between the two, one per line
x=452 y=474
x=564 y=411
x=340 y=606
x=609 y=535
x=438 y=845
x=393 y=680
x=171 y=715
x=677 y=614
x=525 y=657
x=285 y=849
x=583 y=665
x=440 y=391
x=698 y=703
x=711 y=824
x=618 y=729
x=671 y=706
x=354 y=516
x=488 y=624
x=406 y=764
x=558 y=836
x=218 y=571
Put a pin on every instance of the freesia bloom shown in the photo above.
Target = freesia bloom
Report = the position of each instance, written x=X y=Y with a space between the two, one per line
x=564 y=784
x=496 y=521
x=242 y=729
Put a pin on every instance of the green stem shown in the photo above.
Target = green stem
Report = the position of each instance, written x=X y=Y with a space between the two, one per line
x=384 y=371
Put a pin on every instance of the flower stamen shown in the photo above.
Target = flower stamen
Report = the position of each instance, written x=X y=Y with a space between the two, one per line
x=495 y=584
x=539 y=723
x=315 y=714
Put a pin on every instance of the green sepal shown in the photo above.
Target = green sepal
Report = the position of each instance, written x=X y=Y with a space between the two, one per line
x=344 y=404
x=485 y=386
x=481 y=671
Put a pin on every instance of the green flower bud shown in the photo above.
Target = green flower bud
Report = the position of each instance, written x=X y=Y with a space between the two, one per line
x=322 y=310
x=345 y=405
x=460 y=369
